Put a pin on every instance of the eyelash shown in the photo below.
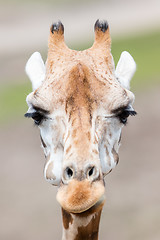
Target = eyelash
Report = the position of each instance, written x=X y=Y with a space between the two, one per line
x=124 y=115
x=36 y=116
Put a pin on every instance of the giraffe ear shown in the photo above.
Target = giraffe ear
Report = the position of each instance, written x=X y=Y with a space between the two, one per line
x=35 y=70
x=125 y=69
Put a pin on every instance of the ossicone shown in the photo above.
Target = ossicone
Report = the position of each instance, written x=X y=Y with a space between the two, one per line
x=102 y=40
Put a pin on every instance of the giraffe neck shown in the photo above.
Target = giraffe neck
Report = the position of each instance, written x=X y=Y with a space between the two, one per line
x=85 y=225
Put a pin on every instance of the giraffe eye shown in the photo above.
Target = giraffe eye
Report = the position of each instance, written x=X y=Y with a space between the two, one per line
x=123 y=116
x=36 y=116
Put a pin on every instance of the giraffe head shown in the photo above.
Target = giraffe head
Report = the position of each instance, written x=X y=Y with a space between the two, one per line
x=80 y=104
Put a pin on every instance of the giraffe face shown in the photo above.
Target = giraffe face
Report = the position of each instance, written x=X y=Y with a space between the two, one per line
x=80 y=108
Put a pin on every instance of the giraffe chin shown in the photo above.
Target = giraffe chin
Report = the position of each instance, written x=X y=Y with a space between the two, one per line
x=79 y=196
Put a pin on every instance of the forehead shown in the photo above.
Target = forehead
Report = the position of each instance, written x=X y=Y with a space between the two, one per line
x=78 y=84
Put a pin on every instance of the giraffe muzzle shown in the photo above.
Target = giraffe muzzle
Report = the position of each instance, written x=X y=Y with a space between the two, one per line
x=81 y=187
x=79 y=196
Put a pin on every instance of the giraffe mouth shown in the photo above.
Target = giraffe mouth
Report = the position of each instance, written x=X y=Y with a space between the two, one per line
x=79 y=196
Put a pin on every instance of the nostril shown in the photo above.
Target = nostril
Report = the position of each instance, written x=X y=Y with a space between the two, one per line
x=91 y=171
x=69 y=172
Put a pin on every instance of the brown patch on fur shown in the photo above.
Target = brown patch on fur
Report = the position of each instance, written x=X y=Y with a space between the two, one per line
x=115 y=155
x=108 y=157
x=108 y=59
x=80 y=100
x=89 y=232
x=120 y=139
x=95 y=151
x=124 y=93
x=110 y=134
x=76 y=142
x=69 y=102
x=61 y=101
x=50 y=67
x=70 y=155
x=89 y=136
x=49 y=174
x=67 y=218
x=95 y=140
x=36 y=92
x=67 y=136
x=68 y=149
x=74 y=133
x=73 y=121
x=44 y=145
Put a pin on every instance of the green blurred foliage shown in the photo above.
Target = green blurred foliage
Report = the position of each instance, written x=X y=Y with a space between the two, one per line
x=13 y=101
x=145 y=49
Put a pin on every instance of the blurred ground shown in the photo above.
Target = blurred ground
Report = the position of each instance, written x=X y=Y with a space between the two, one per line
x=28 y=207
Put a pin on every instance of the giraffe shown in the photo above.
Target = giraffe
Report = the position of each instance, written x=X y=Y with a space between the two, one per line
x=80 y=103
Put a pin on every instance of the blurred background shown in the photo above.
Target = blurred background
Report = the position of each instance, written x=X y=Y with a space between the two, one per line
x=28 y=206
